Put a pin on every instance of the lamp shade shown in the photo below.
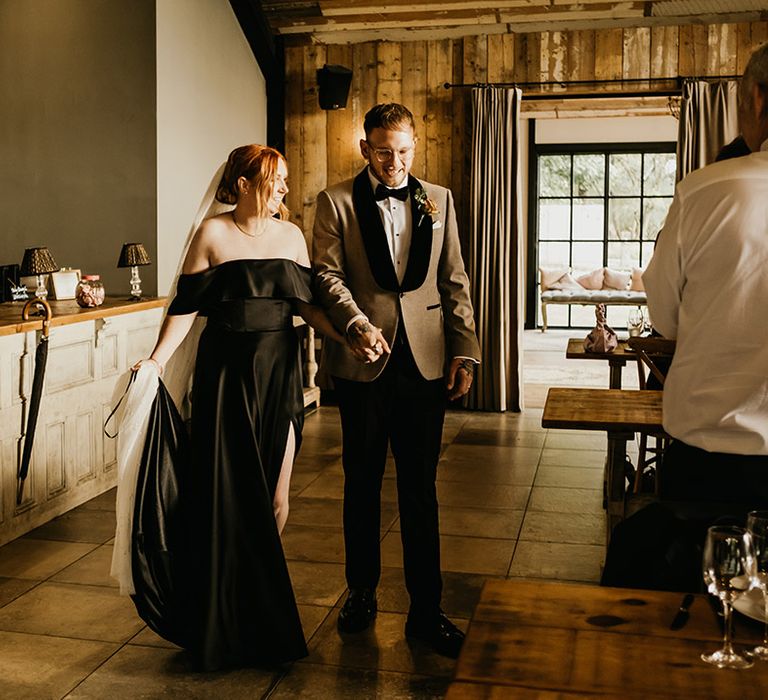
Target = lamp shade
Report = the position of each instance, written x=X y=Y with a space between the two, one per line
x=38 y=261
x=133 y=254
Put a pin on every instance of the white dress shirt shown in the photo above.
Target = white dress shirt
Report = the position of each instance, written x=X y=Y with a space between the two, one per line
x=398 y=226
x=707 y=286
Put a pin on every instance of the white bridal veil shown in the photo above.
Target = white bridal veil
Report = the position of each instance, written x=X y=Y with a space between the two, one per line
x=133 y=417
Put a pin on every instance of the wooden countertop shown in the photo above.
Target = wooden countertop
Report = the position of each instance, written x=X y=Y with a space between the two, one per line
x=67 y=311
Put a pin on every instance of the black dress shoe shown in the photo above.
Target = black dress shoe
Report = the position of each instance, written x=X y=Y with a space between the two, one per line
x=359 y=610
x=438 y=632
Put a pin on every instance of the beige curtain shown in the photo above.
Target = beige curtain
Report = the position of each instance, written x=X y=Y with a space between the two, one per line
x=707 y=122
x=496 y=248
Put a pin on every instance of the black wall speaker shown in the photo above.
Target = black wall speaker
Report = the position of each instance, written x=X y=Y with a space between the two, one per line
x=333 y=86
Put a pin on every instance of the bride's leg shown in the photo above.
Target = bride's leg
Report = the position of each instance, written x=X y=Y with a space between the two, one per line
x=280 y=502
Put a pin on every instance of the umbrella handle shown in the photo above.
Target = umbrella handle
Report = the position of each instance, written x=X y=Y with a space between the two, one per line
x=46 y=309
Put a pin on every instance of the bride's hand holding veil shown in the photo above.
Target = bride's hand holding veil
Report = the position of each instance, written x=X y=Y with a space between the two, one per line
x=172 y=332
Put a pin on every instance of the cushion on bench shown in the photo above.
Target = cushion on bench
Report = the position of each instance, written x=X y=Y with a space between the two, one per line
x=593 y=296
x=602 y=279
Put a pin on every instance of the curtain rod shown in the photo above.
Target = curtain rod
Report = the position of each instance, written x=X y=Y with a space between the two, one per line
x=679 y=80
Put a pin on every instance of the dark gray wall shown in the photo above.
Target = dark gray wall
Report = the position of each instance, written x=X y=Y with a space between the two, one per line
x=78 y=149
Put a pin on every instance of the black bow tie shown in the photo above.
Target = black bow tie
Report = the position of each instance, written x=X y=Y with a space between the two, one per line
x=384 y=192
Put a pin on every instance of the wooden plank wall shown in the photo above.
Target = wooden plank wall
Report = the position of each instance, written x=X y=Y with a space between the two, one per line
x=322 y=147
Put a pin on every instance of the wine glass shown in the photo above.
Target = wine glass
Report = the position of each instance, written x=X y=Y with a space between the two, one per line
x=729 y=572
x=757 y=525
x=635 y=322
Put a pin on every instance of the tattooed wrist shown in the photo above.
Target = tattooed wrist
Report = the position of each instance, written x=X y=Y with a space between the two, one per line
x=359 y=329
x=468 y=366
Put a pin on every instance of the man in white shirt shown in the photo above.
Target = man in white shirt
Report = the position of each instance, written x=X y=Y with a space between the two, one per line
x=707 y=286
x=389 y=273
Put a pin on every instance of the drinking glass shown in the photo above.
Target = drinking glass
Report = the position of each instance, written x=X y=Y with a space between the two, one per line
x=729 y=572
x=757 y=525
x=635 y=322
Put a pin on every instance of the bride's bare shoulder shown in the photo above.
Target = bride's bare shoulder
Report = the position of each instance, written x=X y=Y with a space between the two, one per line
x=288 y=227
x=206 y=240
x=214 y=226
x=298 y=244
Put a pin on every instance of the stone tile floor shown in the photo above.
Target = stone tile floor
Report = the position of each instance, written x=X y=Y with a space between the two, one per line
x=516 y=501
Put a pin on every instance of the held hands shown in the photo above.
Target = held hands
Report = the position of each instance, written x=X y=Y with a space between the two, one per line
x=459 y=379
x=366 y=342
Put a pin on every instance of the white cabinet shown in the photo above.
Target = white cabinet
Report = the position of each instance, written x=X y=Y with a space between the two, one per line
x=72 y=459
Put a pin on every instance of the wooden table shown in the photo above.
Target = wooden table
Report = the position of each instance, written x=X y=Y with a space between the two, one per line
x=620 y=413
x=617 y=359
x=558 y=640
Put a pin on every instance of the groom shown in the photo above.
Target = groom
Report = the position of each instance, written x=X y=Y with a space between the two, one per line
x=389 y=273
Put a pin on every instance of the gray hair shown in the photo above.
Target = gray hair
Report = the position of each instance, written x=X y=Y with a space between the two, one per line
x=756 y=72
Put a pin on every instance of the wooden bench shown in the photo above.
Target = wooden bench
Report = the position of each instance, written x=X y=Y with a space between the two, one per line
x=585 y=297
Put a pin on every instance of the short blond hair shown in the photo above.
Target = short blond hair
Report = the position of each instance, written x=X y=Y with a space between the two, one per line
x=391 y=116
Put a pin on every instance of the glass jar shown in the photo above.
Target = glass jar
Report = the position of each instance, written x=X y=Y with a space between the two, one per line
x=90 y=291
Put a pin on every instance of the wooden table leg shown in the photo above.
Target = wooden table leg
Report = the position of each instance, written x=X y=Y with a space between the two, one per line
x=615 y=480
x=615 y=368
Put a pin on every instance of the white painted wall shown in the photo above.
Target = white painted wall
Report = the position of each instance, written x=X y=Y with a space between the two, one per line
x=211 y=97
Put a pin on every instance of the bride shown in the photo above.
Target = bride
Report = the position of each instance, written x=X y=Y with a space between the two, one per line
x=246 y=271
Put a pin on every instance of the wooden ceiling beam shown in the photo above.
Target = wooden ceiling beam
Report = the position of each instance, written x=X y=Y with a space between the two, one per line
x=467 y=18
x=332 y=8
x=372 y=21
x=335 y=35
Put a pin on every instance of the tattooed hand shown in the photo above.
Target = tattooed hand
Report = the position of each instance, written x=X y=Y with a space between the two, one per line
x=366 y=341
x=459 y=378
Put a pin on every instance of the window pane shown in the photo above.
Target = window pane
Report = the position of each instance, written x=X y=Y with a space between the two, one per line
x=623 y=256
x=588 y=219
x=659 y=173
x=624 y=173
x=554 y=219
x=557 y=315
x=654 y=214
x=555 y=176
x=553 y=254
x=624 y=219
x=617 y=316
x=647 y=254
x=587 y=256
x=588 y=175
x=583 y=316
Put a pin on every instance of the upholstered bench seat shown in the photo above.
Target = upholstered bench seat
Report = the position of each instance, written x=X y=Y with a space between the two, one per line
x=560 y=286
x=593 y=296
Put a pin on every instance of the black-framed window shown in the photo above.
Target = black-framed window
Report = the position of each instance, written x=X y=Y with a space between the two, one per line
x=591 y=206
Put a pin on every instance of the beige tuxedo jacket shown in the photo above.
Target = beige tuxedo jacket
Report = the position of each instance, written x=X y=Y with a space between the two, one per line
x=354 y=275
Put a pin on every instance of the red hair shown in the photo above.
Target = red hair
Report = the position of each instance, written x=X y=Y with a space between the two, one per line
x=257 y=164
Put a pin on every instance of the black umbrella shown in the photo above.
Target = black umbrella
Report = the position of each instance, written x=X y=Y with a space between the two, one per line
x=41 y=357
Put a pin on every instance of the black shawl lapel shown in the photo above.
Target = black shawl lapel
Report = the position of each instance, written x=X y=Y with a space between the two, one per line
x=421 y=242
x=372 y=231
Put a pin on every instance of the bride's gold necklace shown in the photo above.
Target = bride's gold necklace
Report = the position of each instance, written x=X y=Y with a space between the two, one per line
x=242 y=230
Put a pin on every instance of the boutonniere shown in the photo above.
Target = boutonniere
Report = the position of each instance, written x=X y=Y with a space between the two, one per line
x=427 y=207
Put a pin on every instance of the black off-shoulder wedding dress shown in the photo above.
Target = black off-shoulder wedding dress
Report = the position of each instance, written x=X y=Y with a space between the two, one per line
x=235 y=605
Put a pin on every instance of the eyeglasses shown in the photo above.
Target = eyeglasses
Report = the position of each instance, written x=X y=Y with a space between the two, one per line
x=384 y=154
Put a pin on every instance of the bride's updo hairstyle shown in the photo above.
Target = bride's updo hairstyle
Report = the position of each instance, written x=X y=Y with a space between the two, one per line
x=257 y=164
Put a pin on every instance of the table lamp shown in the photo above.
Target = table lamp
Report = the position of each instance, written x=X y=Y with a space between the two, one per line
x=39 y=262
x=132 y=255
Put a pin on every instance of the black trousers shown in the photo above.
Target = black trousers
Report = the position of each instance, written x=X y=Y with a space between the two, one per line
x=738 y=482
x=401 y=409
x=660 y=546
